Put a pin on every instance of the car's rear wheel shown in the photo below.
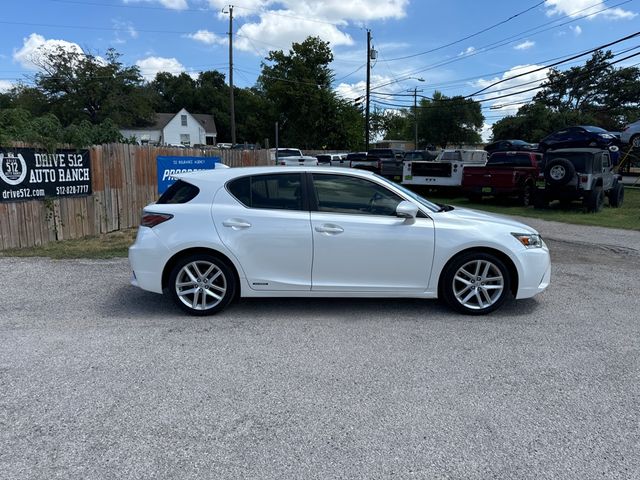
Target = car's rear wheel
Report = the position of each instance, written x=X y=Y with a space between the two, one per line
x=559 y=171
x=594 y=200
x=616 y=195
x=202 y=284
x=475 y=283
x=635 y=142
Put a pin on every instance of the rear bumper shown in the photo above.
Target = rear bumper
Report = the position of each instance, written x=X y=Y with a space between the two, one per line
x=147 y=258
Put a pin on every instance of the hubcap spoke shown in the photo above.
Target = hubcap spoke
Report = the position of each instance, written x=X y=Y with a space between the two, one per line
x=463 y=280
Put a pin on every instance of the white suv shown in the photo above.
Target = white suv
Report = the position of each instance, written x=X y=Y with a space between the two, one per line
x=631 y=134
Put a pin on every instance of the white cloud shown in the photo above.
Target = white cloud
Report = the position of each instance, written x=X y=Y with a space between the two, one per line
x=123 y=30
x=578 y=8
x=274 y=31
x=150 y=66
x=577 y=30
x=207 y=37
x=510 y=105
x=35 y=46
x=294 y=20
x=467 y=51
x=172 y=4
x=527 y=44
x=5 y=85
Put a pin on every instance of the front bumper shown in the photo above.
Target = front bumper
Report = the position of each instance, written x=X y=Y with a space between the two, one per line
x=535 y=272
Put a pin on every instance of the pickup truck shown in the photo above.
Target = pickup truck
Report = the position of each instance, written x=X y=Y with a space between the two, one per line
x=509 y=174
x=291 y=157
x=445 y=172
x=384 y=161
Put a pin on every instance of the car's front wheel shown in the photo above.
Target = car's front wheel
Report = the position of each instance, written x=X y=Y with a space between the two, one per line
x=202 y=284
x=475 y=283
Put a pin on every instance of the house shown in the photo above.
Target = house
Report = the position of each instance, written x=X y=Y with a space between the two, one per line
x=182 y=128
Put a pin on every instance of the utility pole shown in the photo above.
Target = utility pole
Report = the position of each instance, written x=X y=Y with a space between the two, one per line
x=231 y=102
x=415 y=115
x=366 y=108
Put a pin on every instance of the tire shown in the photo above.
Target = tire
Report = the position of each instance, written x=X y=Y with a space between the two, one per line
x=459 y=281
x=202 y=284
x=616 y=195
x=527 y=196
x=594 y=200
x=540 y=199
x=475 y=198
x=635 y=142
x=559 y=171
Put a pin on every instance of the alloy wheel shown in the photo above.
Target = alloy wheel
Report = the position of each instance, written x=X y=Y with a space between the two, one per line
x=201 y=285
x=478 y=284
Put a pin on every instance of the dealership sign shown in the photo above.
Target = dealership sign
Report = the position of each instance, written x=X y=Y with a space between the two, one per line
x=168 y=167
x=30 y=174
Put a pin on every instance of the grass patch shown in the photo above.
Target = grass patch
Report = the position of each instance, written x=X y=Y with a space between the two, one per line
x=626 y=217
x=110 y=245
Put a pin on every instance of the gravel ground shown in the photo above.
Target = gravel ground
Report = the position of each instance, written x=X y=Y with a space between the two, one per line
x=101 y=380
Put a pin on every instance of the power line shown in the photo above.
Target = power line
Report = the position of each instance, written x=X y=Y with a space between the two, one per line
x=505 y=41
x=600 y=47
x=502 y=22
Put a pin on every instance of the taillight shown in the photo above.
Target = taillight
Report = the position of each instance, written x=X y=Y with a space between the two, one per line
x=408 y=166
x=283 y=163
x=150 y=219
x=584 y=178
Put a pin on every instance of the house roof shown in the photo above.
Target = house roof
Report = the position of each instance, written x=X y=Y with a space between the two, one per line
x=162 y=119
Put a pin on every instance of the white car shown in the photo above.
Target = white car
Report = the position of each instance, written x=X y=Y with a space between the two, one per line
x=327 y=232
x=631 y=134
x=291 y=157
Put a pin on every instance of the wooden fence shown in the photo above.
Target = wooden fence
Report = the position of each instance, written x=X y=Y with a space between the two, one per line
x=124 y=180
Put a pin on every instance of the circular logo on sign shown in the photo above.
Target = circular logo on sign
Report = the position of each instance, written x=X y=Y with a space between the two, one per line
x=13 y=168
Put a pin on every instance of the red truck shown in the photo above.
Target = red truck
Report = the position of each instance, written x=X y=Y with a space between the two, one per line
x=509 y=174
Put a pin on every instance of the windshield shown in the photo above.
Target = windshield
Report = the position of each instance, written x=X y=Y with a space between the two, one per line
x=414 y=196
x=595 y=129
x=414 y=156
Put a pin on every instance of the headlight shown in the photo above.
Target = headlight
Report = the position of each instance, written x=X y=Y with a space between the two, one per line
x=529 y=240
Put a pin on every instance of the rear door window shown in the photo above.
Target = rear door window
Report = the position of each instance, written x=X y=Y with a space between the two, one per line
x=274 y=191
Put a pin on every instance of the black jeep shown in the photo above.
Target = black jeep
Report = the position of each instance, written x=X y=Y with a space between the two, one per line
x=578 y=174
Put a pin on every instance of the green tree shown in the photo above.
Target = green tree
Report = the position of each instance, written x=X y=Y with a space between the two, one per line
x=392 y=124
x=297 y=89
x=81 y=86
x=446 y=120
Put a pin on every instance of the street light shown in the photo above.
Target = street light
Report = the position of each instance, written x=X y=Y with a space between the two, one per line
x=415 y=110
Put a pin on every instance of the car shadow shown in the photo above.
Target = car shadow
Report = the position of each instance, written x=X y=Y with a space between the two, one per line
x=131 y=302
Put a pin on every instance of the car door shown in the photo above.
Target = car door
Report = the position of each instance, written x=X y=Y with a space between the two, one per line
x=607 y=172
x=264 y=221
x=359 y=244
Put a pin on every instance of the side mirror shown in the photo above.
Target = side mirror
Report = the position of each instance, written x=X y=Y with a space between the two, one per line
x=407 y=210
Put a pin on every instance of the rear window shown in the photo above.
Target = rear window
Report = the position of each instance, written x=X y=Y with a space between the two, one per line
x=581 y=161
x=179 y=192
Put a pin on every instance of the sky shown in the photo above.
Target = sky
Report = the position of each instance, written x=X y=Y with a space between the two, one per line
x=457 y=47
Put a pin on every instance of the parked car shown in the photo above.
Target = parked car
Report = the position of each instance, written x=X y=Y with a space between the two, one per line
x=291 y=156
x=631 y=134
x=417 y=155
x=578 y=137
x=261 y=231
x=584 y=174
x=511 y=146
x=383 y=161
x=505 y=174
x=445 y=171
x=333 y=159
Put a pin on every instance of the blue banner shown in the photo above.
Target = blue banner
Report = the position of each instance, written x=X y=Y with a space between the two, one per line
x=170 y=166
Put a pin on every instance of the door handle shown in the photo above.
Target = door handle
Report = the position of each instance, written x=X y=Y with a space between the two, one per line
x=330 y=229
x=236 y=224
